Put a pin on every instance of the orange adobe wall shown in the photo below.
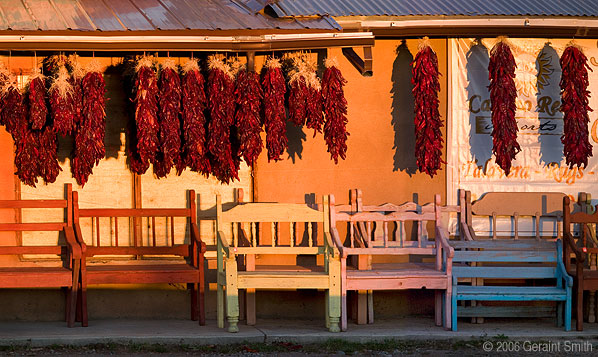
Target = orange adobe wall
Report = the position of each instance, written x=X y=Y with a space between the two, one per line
x=380 y=155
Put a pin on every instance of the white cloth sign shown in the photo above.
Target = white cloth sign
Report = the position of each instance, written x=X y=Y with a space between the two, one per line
x=540 y=166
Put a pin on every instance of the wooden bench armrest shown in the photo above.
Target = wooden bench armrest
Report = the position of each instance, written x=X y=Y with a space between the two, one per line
x=197 y=238
x=223 y=243
x=467 y=230
x=79 y=238
x=561 y=268
x=71 y=242
x=442 y=238
x=571 y=243
x=335 y=238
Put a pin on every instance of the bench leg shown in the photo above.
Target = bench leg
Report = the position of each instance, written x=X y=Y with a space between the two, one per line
x=72 y=300
x=362 y=307
x=220 y=307
x=448 y=307
x=232 y=295
x=454 y=311
x=250 y=306
x=333 y=301
x=202 y=291
x=579 y=299
x=438 y=307
x=559 y=314
x=370 y=306
x=568 y=315
x=194 y=301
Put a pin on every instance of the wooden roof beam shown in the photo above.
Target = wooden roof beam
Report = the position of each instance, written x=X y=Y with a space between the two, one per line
x=365 y=65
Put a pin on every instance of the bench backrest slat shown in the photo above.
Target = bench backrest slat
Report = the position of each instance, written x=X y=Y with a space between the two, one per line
x=31 y=250
x=522 y=256
x=23 y=227
x=33 y=204
x=504 y=244
x=505 y=272
x=134 y=212
x=525 y=203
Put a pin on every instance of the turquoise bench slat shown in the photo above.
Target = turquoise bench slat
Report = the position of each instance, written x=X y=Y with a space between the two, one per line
x=536 y=262
x=506 y=311
x=505 y=256
x=505 y=272
x=511 y=244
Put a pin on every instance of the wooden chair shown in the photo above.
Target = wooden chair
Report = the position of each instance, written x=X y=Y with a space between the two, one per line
x=34 y=275
x=135 y=263
x=578 y=251
x=250 y=224
x=381 y=230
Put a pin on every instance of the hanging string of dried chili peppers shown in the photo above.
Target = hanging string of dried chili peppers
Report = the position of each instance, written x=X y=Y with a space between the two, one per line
x=248 y=96
x=169 y=104
x=335 y=109
x=575 y=106
x=89 y=137
x=195 y=152
x=76 y=81
x=274 y=88
x=428 y=137
x=62 y=103
x=503 y=94
x=298 y=91
x=48 y=167
x=38 y=111
x=315 y=114
x=146 y=117
x=222 y=110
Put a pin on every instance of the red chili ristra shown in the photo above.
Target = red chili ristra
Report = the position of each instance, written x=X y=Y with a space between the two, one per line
x=169 y=103
x=428 y=137
x=89 y=139
x=225 y=165
x=13 y=113
x=146 y=117
x=274 y=88
x=575 y=106
x=38 y=111
x=315 y=114
x=27 y=156
x=248 y=95
x=503 y=94
x=335 y=109
x=195 y=152
x=48 y=167
x=62 y=103
x=298 y=93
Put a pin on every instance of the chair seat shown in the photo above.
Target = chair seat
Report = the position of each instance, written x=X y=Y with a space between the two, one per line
x=511 y=293
x=142 y=274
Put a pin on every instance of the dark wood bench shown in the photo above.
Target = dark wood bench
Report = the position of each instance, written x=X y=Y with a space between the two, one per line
x=510 y=261
x=581 y=250
x=28 y=273
x=155 y=261
x=382 y=231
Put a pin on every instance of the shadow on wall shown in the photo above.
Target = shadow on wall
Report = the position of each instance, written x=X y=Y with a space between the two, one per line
x=296 y=137
x=477 y=78
x=548 y=77
x=402 y=112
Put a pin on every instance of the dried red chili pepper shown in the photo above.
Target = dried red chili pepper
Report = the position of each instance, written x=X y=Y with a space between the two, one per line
x=38 y=111
x=169 y=103
x=13 y=113
x=27 y=157
x=335 y=109
x=146 y=117
x=298 y=91
x=62 y=103
x=503 y=94
x=76 y=81
x=195 y=152
x=428 y=137
x=315 y=114
x=89 y=137
x=575 y=106
x=48 y=167
x=248 y=96
x=274 y=88
x=225 y=165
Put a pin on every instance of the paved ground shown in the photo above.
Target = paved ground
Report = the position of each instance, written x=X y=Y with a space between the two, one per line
x=182 y=332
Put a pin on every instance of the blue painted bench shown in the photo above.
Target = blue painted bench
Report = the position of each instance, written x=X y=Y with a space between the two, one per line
x=509 y=262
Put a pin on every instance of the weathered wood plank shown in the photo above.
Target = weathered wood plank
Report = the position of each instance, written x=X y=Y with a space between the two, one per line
x=507 y=311
x=504 y=272
x=505 y=256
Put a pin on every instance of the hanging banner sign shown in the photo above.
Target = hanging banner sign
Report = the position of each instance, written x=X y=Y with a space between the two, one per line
x=540 y=166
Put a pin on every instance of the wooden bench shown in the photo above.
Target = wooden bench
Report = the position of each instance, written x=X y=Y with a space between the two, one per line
x=259 y=229
x=580 y=251
x=381 y=230
x=32 y=274
x=510 y=261
x=138 y=262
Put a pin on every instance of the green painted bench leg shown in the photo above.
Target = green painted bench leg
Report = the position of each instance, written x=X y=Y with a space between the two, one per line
x=333 y=300
x=232 y=295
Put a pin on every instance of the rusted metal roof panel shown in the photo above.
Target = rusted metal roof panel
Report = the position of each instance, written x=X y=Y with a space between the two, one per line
x=435 y=8
x=16 y=15
x=148 y=15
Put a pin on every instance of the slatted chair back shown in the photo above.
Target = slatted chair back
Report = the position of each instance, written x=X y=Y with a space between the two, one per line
x=513 y=206
x=251 y=223
x=64 y=225
x=154 y=245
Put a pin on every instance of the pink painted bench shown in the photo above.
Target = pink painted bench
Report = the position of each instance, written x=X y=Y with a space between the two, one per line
x=382 y=231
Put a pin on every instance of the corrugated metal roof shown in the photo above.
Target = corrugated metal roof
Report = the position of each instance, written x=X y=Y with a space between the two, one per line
x=436 y=7
x=148 y=15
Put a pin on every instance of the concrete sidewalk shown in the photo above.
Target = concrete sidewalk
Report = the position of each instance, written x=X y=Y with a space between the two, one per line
x=183 y=332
